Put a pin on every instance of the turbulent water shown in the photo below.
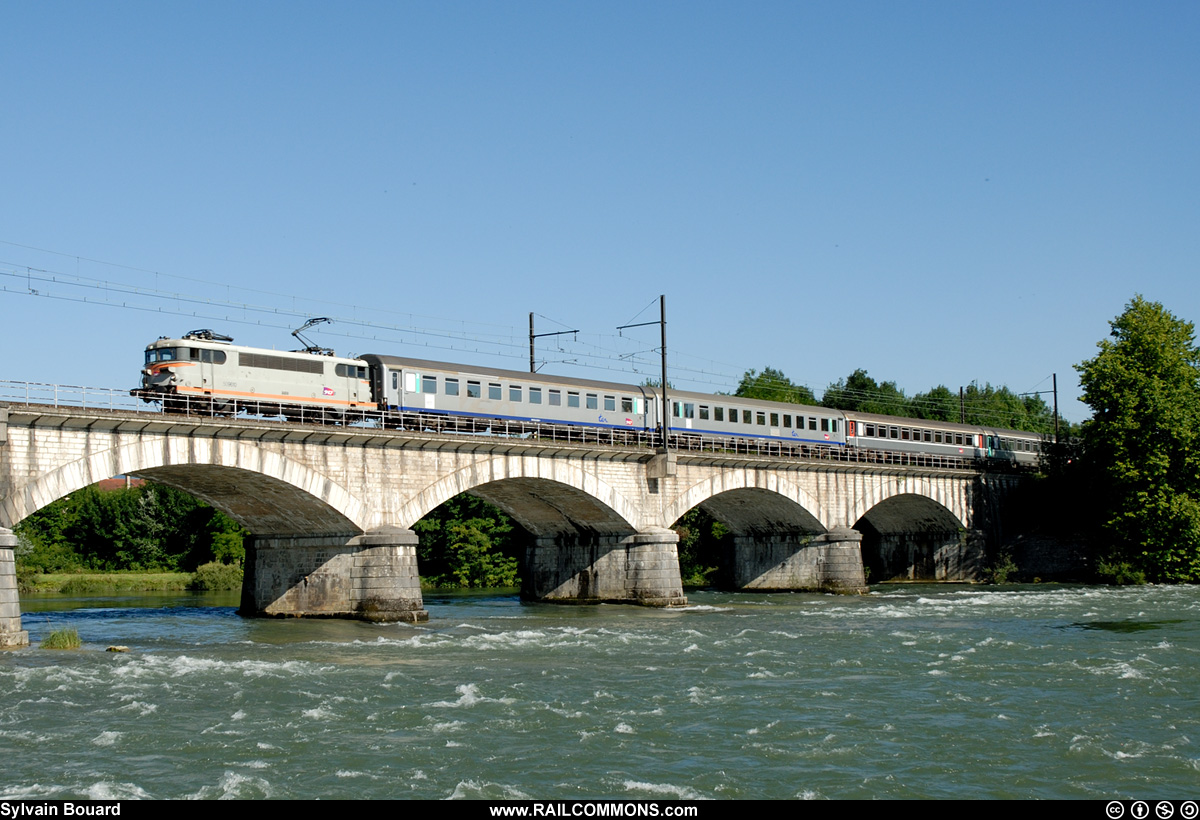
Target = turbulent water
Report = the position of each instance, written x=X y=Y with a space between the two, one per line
x=910 y=692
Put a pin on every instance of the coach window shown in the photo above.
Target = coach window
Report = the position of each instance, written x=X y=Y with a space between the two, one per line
x=774 y=419
x=675 y=411
x=937 y=436
x=689 y=410
x=395 y=380
x=626 y=404
x=718 y=414
x=451 y=387
x=514 y=392
x=893 y=432
x=927 y=435
x=834 y=426
x=958 y=439
x=610 y=403
x=904 y=434
x=787 y=419
x=494 y=391
x=572 y=398
x=555 y=398
x=824 y=425
x=747 y=417
x=812 y=423
x=704 y=412
x=761 y=418
x=593 y=401
x=429 y=384
x=535 y=395
x=474 y=391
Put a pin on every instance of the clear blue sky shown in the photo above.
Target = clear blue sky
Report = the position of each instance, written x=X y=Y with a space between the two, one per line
x=935 y=192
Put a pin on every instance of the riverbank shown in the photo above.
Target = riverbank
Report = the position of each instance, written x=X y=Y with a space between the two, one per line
x=207 y=577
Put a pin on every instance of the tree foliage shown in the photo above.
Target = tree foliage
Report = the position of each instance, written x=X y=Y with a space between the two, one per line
x=986 y=406
x=702 y=544
x=862 y=393
x=772 y=385
x=467 y=542
x=148 y=527
x=1141 y=442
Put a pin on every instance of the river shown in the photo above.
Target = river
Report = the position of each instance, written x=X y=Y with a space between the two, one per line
x=910 y=692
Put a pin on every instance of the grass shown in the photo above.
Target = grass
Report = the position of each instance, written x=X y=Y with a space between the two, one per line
x=71 y=583
x=62 y=639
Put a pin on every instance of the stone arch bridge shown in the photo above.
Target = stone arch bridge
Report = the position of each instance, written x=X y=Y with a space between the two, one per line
x=331 y=508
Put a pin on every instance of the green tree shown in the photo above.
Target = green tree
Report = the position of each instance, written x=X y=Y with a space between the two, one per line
x=859 y=392
x=702 y=545
x=939 y=404
x=149 y=527
x=1141 y=442
x=772 y=385
x=467 y=542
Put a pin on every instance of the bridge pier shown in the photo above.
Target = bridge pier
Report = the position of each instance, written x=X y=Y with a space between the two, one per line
x=828 y=562
x=11 y=633
x=642 y=568
x=370 y=577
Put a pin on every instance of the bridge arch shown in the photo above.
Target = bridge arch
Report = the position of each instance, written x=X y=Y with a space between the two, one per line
x=263 y=490
x=950 y=496
x=915 y=531
x=750 y=501
x=546 y=497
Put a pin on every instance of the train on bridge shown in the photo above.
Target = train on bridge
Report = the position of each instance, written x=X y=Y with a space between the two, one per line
x=204 y=372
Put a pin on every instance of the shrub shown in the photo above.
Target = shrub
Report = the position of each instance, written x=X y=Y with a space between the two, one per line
x=215 y=576
x=1004 y=571
x=1119 y=573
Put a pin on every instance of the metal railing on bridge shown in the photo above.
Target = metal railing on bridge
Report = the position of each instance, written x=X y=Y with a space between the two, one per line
x=100 y=398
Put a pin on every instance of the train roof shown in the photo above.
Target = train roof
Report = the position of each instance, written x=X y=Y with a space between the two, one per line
x=944 y=425
x=218 y=344
x=500 y=373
